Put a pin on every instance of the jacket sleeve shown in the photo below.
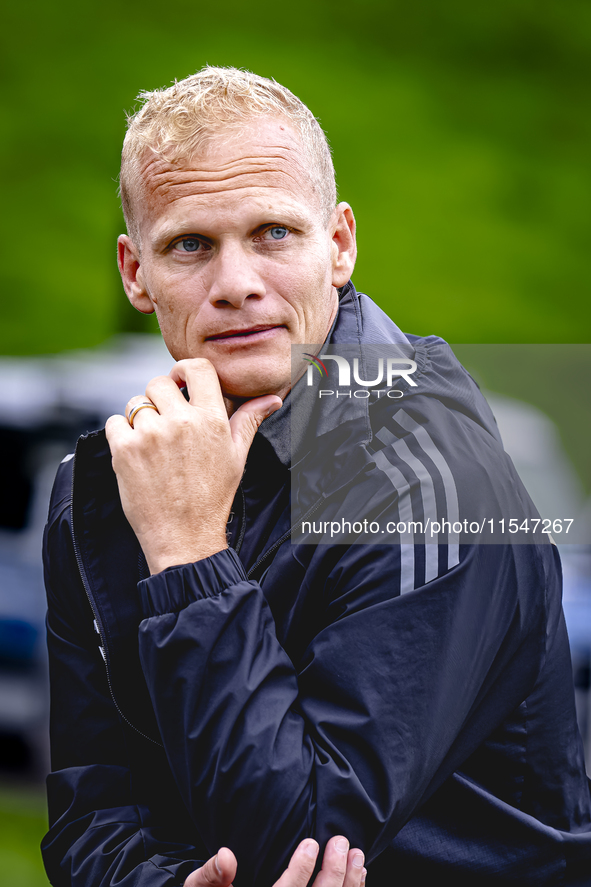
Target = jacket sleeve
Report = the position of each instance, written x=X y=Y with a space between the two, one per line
x=100 y=831
x=391 y=695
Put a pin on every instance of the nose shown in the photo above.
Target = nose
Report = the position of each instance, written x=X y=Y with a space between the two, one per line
x=234 y=276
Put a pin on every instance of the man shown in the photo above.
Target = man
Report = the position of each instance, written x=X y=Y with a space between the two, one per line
x=256 y=689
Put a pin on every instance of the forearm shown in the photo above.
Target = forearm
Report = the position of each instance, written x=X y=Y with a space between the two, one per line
x=241 y=754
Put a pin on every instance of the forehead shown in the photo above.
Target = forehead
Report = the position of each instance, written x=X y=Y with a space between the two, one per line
x=263 y=159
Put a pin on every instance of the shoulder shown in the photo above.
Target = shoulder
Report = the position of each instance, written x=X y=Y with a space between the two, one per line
x=91 y=462
x=80 y=477
x=61 y=494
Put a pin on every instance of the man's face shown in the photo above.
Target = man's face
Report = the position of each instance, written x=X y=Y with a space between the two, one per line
x=236 y=256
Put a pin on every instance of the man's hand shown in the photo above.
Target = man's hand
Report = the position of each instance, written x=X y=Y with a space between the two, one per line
x=341 y=867
x=178 y=468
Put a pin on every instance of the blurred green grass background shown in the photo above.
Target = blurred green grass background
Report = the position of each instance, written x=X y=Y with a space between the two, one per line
x=461 y=134
x=23 y=822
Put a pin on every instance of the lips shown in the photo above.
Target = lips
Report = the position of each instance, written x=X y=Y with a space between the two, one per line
x=246 y=333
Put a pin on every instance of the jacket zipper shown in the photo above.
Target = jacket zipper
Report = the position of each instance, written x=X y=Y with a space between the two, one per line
x=97 y=620
x=283 y=538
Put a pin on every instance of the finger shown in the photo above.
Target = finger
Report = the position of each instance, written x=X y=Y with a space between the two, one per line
x=117 y=430
x=247 y=418
x=134 y=402
x=355 y=874
x=164 y=394
x=219 y=871
x=139 y=404
x=202 y=382
x=334 y=863
x=301 y=865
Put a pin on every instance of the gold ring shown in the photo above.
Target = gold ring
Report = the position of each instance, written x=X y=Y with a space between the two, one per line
x=140 y=406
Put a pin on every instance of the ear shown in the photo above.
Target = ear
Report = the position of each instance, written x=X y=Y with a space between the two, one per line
x=344 y=245
x=129 y=262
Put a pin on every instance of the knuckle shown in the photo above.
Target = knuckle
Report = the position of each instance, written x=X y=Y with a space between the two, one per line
x=179 y=423
x=340 y=867
x=133 y=401
x=183 y=418
x=209 y=874
x=155 y=384
x=148 y=434
x=114 y=426
x=200 y=877
x=300 y=877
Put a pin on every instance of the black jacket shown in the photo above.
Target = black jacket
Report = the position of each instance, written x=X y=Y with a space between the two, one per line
x=416 y=698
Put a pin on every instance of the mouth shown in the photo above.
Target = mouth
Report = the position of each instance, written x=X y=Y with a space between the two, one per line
x=250 y=333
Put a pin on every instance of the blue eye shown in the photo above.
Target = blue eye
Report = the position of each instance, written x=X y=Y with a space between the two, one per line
x=278 y=232
x=188 y=245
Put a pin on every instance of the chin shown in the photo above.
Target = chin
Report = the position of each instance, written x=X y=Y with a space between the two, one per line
x=253 y=378
x=247 y=388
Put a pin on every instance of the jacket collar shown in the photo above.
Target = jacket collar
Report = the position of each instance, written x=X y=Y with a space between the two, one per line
x=290 y=429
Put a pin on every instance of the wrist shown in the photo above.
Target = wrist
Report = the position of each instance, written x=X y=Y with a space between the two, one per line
x=174 y=556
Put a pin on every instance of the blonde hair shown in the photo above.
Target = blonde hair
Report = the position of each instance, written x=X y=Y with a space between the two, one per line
x=176 y=123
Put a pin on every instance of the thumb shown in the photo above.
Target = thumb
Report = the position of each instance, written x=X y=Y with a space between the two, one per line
x=247 y=418
x=219 y=871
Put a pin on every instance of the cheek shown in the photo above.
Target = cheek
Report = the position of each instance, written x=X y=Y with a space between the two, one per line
x=313 y=283
x=174 y=320
x=176 y=303
x=317 y=306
